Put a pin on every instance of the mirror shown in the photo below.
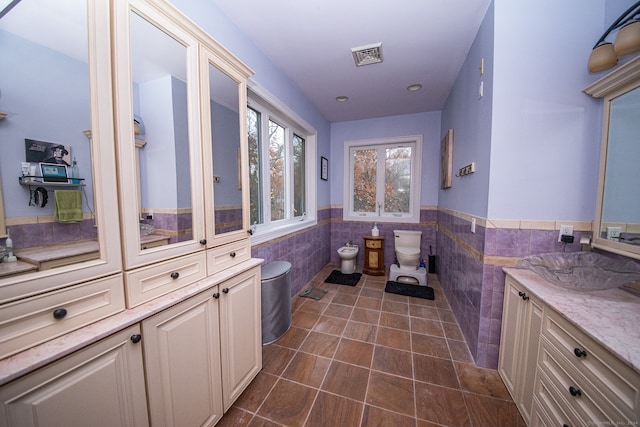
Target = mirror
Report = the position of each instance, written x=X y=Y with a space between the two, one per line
x=617 y=224
x=45 y=97
x=160 y=106
x=225 y=147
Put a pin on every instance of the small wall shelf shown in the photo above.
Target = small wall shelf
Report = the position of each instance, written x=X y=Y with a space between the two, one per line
x=37 y=180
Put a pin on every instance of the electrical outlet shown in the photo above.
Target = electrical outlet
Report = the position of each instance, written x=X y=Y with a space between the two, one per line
x=565 y=230
x=613 y=233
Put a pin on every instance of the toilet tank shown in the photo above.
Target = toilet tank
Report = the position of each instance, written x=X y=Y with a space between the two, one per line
x=407 y=238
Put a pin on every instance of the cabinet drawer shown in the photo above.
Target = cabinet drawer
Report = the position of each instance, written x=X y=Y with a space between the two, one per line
x=614 y=380
x=31 y=321
x=373 y=244
x=586 y=400
x=225 y=256
x=550 y=409
x=147 y=283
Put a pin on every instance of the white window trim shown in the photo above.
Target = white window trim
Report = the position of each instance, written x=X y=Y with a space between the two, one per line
x=414 y=215
x=261 y=232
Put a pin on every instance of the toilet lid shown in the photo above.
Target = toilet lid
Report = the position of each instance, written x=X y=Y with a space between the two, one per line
x=407 y=251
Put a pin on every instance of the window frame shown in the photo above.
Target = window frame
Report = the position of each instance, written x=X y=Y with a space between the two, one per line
x=416 y=172
x=270 y=108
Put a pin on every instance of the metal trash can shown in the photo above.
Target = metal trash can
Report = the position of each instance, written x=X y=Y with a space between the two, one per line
x=276 y=300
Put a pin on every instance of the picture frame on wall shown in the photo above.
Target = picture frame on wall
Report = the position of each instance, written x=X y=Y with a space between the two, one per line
x=446 y=160
x=324 y=168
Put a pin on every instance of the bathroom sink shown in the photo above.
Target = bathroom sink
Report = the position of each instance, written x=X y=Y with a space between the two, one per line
x=583 y=271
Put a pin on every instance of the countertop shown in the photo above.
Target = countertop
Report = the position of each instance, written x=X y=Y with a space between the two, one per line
x=611 y=317
x=24 y=362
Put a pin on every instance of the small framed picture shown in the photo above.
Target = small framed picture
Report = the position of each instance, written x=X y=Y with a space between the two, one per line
x=324 y=168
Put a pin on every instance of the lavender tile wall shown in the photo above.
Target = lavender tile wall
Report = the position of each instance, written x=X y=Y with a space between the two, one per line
x=29 y=235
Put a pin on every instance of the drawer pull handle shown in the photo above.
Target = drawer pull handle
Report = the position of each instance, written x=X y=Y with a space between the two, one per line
x=565 y=425
x=575 y=391
x=59 y=313
x=135 y=338
x=175 y=275
x=216 y=295
x=232 y=254
x=579 y=353
x=250 y=231
x=203 y=242
x=523 y=295
x=225 y=290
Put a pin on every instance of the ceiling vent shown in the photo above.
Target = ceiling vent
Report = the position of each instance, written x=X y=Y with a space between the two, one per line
x=365 y=55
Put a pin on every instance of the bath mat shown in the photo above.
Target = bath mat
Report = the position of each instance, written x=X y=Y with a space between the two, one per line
x=418 y=291
x=343 y=279
x=313 y=293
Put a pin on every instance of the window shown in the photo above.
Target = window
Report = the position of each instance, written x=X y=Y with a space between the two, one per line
x=281 y=170
x=383 y=180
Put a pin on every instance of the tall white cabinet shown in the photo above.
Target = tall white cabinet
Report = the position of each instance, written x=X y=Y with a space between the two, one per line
x=169 y=290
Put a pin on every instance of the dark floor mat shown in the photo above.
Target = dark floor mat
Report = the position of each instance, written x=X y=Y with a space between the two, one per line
x=313 y=293
x=343 y=279
x=418 y=291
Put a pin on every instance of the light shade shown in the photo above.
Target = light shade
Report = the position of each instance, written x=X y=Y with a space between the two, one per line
x=628 y=39
x=602 y=58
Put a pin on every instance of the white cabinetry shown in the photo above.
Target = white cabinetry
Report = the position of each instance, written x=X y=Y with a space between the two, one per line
x=521 y=323
x=217 y=331
x=101 y=385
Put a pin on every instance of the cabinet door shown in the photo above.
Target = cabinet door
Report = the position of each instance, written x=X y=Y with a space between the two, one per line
x=225 y=149
x=240 y=333
x=158 y=131
x=102 y=385
x=182 y=362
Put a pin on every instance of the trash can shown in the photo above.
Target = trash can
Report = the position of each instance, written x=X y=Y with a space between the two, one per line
x=276 y=300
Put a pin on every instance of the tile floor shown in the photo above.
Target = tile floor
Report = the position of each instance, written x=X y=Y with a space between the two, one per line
x=363 y=357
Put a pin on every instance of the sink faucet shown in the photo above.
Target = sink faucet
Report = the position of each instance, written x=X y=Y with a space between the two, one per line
x=349 y=243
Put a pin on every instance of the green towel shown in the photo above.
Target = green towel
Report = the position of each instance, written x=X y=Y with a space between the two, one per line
x=68 y=206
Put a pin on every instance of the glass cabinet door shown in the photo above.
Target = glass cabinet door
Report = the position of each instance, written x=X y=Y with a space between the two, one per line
x=56 y=112
x=225 y=151
x=158 y=135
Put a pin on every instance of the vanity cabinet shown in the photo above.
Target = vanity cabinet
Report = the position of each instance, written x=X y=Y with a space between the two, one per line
x=521 y=324
x=373 y=256
x=217 y=331
x=101 y=385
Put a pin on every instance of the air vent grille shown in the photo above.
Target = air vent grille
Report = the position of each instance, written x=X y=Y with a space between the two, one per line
x=366 y=55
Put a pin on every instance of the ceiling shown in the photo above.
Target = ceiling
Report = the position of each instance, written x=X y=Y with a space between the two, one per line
x=423 y=41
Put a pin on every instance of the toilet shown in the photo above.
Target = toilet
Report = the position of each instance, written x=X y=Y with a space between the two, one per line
x=407 y=247
x=348 y=255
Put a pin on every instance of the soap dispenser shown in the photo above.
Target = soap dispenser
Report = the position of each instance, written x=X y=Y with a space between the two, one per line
x=9 y=244
x=75 y=173
x=374 y=231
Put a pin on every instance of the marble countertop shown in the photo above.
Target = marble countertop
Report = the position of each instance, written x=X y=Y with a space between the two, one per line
x=22 y=363
x=611 y=317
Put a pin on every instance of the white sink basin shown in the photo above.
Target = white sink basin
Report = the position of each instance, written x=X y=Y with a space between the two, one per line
x=583 y=271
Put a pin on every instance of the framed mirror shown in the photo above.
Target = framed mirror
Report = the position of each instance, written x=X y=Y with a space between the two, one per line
x=56 y=100
x=617 y=223
x=158 y=136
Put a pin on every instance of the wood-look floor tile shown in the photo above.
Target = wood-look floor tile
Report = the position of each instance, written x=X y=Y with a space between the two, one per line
x=365 y=316
x=395 y=321
x=360 y=331
x=344 y=299
x=435 y=371
x=372 y=293
x=427 y=327
x=459 y=351
x=391 y=392
x=331 y=410
x=304 y=319
x=320 y=344
x=372 y=283
x=486 y=382
x=423 y=312
x=488 y=411
x=452 y=331
x=293 y=338
x=253 y=396
x=447 y=315
x=235 y=417
x=395 y=307
x=261 y=422
x=338 y=310
x=392 y=361
x=330 y=325
x=395 y=338
x=368 y=303
x=275 y=358
x=430 y=346
x=346 y=380
x=376 y=417
x=288 y=403
x=354 y=352
x=313 y=306
x=441 y=405
x=395 y=297
x=307 y=369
